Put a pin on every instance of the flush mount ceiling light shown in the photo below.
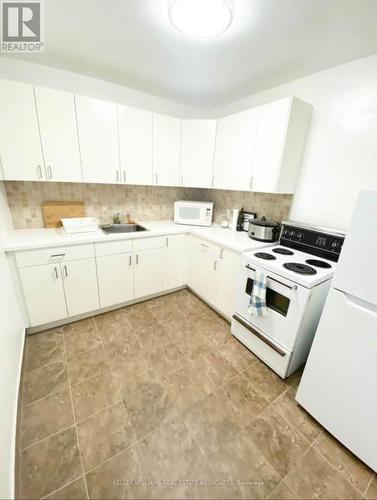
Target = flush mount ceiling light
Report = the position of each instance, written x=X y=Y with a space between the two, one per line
x=201 y=18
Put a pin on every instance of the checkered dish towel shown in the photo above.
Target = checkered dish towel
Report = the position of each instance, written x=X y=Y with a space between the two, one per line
x=257 y=304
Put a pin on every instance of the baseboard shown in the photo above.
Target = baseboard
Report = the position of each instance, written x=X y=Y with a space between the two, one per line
x=72 y=319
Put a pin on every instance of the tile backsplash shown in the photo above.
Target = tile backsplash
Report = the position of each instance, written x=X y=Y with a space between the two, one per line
x=141 y=202
x=275 y=207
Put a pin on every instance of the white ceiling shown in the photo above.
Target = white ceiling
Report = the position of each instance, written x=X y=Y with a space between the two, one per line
x=130 y=42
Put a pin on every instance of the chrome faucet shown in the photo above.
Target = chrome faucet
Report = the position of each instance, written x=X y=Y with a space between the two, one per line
x=117 y=218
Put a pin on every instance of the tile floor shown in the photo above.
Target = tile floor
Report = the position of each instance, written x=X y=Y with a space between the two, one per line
x=158 y=400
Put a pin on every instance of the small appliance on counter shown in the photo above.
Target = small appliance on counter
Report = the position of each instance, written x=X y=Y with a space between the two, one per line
x=243 y=219
x=193 y=213
x=247 y=218
x=263 y=230
x=298 y=272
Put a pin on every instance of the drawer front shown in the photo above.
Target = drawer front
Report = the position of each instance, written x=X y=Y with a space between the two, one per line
x=208 y=247
x=148 y=243
x=113 y=247
x=54 y=255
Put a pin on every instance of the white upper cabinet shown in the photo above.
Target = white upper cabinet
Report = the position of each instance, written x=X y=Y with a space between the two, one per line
x=166 y=150
x=98 y=136
x=197 y=152
x=50 y=135
x=282 y=130
x=20 y=146
x=234 y=153
x=58 y=127
x=135 y=142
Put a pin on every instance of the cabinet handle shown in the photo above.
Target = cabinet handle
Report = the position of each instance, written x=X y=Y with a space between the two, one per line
x=203 y=245
x=137 y=259
x=49 y=170
x=251 y=182
x=117 y=176
x=39 y=171
x=215 y=265
x=56 y=255
x=156 y=175
x=124 y=176
x=213 y=181
x=182 y=180
x=56 y=273
x=221 y=253
x=129 y=260
x=167 y=242
x=65 y=271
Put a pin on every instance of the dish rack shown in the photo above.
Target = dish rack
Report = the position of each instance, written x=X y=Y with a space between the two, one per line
x=78 y=225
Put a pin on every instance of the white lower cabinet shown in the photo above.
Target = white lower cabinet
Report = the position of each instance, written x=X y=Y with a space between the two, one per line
x=80 y=286
x=175 y=261
x=201 y=270
x=44 y=293
x=228 y=269
x=212 y=273
x=149 y=271
x=56 y=288
x=154 y=265
x=65 y=282
x=115 y=278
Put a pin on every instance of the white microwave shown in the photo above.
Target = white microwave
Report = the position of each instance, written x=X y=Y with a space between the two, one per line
x=193 y=213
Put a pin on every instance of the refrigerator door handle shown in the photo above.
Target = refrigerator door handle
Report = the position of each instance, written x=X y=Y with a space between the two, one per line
x=359 y=303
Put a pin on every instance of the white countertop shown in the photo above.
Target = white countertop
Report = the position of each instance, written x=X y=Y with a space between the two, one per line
x=28 y=239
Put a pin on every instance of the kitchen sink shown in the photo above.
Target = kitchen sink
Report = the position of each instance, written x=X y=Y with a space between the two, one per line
x=122 y=228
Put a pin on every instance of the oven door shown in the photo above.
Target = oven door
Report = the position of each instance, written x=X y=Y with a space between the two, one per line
x=286 y=303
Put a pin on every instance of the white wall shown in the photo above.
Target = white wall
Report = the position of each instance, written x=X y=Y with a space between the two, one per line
x=12 y=69
x=11 y=347
x=341 y=152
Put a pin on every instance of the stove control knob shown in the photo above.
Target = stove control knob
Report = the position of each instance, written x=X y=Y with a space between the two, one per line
x=335 y=244
x=300 y=236
x=292 y=233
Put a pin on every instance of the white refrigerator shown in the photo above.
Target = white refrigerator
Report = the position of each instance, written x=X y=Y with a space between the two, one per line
x=339 y=384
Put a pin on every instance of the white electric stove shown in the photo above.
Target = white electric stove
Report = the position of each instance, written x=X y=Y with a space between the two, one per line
x=299 y=271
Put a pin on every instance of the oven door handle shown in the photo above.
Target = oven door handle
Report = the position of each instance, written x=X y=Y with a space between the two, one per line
x=291 y=287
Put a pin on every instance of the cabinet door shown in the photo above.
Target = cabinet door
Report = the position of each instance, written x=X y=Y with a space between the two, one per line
x=20 y=145
x=197 y=152
x=80 y=286
x=175 y=258
x=202 y=270
x=166 y=150
x=58 y=126
x=234 y=152
x=228 y=270
x=149 y=272
x=98 y=135
x=44 y=294
x=269 y=147
x=135 y=142
x=115 y=278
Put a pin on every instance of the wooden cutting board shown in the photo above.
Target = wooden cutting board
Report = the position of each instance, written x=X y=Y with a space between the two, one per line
x=53 y=211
